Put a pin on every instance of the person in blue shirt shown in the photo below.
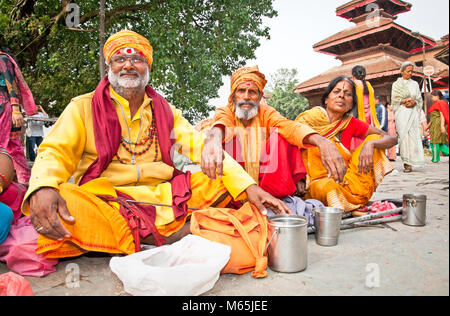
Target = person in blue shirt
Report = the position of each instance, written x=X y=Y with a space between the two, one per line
x=382 y=114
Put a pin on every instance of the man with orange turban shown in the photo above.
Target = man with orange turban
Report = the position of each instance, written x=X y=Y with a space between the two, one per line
x=265 y=143
x=117 y=144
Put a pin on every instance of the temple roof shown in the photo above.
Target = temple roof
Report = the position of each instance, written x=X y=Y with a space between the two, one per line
x=443 y=56
x=356 y=8
x=364 y=35
x=376 y=67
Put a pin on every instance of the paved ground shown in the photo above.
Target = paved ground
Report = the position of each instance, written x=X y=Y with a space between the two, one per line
x=367 y=261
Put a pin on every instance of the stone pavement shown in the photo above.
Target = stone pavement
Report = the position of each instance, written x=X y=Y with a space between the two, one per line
x=367 y=261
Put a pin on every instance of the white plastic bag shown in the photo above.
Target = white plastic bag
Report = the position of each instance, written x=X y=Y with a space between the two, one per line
x=188 y=267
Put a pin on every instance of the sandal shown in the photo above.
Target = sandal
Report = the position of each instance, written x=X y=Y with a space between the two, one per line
x=408 y=169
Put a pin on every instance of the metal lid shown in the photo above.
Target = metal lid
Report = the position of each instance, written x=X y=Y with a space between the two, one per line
x=287 y=221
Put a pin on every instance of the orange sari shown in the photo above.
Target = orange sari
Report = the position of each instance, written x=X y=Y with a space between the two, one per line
x=357 y=188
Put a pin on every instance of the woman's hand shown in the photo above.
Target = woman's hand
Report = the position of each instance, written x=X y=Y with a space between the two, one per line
x=17 y=119
x=332 y=160
x=366 y=158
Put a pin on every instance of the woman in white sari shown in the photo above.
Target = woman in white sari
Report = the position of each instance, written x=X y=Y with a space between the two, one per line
x=407 y=103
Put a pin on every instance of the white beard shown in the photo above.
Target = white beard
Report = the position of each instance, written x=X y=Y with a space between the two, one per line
x=120 y=83
x=246 y=115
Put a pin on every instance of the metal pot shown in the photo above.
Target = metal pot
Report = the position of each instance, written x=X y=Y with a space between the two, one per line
x=414 y=210
x=288 y=245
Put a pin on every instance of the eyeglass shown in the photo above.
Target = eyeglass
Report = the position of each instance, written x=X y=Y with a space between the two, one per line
x=133 y=60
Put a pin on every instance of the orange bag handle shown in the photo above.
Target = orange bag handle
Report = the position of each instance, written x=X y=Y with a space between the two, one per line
x=261 y=260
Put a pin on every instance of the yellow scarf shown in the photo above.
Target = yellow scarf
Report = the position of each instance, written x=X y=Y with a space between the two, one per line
x=361 y=111
x=317 y=118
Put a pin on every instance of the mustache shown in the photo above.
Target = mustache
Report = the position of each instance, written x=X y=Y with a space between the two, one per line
x=250 y=102
x=129 y=72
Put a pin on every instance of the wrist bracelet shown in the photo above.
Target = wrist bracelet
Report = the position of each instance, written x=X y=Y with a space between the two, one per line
x=17 y=112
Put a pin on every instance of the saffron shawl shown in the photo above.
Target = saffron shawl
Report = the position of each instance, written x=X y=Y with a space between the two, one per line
x=251 y=137
x=317 y=118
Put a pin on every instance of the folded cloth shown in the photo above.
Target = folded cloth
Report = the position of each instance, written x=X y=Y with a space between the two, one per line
x=300 y=207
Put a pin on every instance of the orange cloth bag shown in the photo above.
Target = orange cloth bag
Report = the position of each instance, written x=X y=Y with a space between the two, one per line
x=244 y=230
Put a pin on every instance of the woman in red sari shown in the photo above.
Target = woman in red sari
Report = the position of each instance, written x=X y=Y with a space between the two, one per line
x=366 y=165
x=438 y=125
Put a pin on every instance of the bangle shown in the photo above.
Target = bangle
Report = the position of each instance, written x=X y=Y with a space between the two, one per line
x=17 y=112
x=5 y=181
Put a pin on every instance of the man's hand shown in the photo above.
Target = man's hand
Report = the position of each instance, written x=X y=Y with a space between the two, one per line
x=301 y=187
x=213 y=155
x=331 y=158
x=45 y=204
x=263 y=201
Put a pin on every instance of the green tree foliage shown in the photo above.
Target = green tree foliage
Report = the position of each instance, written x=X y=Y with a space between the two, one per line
x=282 y=97
x=195 y=43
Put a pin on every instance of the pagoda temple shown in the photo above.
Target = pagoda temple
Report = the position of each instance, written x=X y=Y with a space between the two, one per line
x=381 y=46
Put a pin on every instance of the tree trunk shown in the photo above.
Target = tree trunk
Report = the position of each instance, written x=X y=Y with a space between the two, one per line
x=102 y=39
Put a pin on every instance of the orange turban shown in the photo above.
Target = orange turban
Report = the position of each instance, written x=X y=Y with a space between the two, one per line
x=124 y=39
x=247 y=74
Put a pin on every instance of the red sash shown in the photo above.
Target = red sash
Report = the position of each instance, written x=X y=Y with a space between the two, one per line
x=281 y=165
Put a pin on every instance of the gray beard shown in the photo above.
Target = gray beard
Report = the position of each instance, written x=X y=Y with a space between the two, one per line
x=246 y=115
x=125 y=86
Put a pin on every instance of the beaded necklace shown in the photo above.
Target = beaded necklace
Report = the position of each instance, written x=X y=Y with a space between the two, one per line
x=151 y=138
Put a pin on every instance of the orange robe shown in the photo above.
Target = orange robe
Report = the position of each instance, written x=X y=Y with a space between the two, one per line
x=254 y=136
x=357 y=188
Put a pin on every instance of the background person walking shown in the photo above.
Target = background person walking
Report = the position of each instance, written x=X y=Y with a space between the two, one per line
x=35 y=133
x=407 y=104
x=438 y=126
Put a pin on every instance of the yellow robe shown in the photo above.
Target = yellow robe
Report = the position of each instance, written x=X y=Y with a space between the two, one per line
x=69 y=149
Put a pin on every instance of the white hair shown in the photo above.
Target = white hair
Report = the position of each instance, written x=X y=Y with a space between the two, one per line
x=405 y=65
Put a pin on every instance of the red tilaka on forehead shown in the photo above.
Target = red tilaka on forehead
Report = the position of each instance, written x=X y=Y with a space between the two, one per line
x=344 y=83
x=129 y=51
